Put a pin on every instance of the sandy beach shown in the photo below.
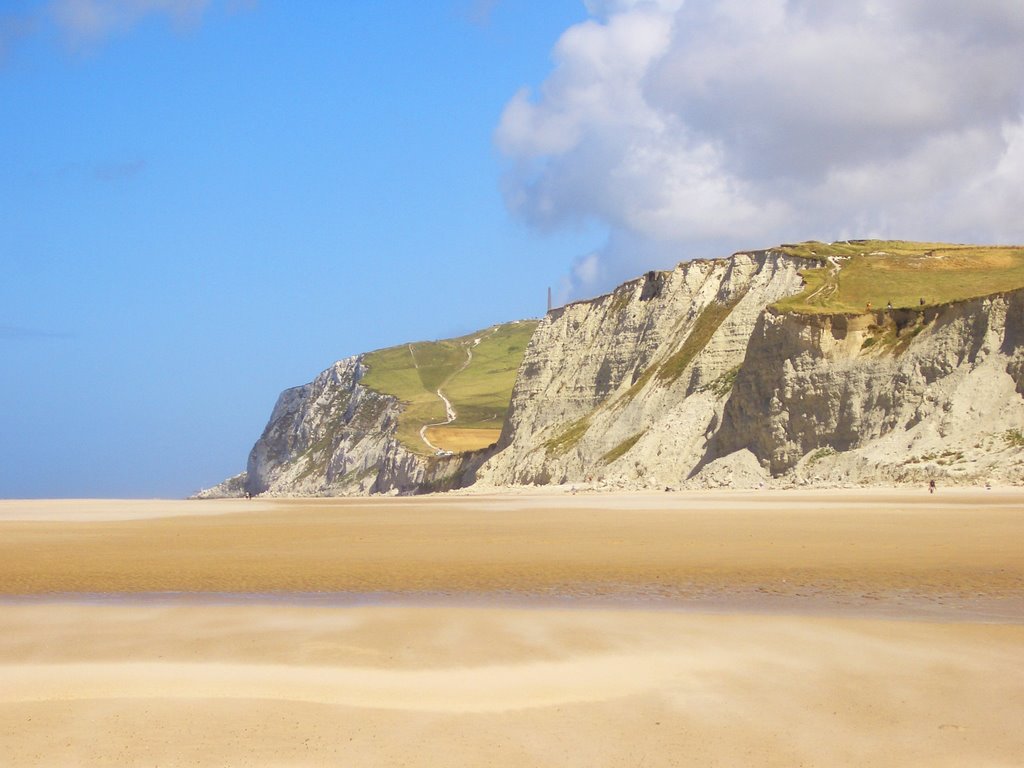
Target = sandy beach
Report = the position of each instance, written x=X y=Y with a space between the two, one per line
x=830 y=628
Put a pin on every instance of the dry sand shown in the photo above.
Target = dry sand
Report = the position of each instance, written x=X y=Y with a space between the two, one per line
x=808 y=628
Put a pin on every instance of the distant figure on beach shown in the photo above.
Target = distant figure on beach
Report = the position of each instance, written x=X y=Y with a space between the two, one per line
x=931 y=486
x=889 y=306
x=869 y=306
x=921 y=302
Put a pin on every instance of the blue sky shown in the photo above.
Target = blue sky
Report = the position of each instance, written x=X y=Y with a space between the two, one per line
x=197 y=213
x=203 y=202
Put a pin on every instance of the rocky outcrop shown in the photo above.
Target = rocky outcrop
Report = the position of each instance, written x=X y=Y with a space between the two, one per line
x=333 y=437
x=232 y=488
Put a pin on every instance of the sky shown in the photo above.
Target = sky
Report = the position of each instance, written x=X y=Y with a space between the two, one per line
x=204 y=202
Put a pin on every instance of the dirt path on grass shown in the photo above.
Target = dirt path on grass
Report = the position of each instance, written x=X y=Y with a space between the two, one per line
x=449 y=409
x=829 y=286
x=450 y=414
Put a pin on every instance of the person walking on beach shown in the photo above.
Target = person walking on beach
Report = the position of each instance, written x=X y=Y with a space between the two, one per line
x=931 y=486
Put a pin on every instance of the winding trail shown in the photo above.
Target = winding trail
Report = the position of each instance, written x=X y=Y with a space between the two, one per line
x=449 y=409
x=829 y=286
x=451 y=416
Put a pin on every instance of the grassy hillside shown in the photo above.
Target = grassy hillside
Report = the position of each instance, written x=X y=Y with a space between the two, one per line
x=858 y=272
x=475 y=372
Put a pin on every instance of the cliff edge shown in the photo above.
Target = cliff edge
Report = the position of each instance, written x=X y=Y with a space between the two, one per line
x=739 y=373
x=765 y=368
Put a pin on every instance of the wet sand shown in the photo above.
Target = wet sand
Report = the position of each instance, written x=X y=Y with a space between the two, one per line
x=839 y=628
x=865 y=546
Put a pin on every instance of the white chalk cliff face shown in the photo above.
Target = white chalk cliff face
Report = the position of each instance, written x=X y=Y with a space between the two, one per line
x=937 y=394
x=325 y=434
x=627 y=388
x=334 y=436
x=691 y=378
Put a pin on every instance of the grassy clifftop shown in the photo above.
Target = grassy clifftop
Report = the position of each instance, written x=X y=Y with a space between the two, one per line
x=475 y=372
x=856 y=273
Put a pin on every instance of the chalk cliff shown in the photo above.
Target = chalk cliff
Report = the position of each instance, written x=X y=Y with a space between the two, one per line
x=333 y=437
x=692 y=377
x=628 y=387
x=899 y=396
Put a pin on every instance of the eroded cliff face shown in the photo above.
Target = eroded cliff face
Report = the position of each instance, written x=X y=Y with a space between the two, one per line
x=334 y=436
x=691 y=378
x=626 y=389
x=898 y=396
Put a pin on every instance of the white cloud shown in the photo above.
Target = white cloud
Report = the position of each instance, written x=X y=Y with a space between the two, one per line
x=701 y=127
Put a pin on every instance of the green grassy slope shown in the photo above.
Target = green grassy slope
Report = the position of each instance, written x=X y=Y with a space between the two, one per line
x=480 y=392
x=901 y=272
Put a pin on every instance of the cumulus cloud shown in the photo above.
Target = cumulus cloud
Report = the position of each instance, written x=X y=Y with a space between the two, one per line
x=699 y=127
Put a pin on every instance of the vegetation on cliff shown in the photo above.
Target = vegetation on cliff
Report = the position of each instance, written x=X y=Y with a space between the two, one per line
x=858 y=275
x=474 y=372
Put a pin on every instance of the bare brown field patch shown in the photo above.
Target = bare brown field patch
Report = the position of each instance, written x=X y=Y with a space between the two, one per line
x=459 y=439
